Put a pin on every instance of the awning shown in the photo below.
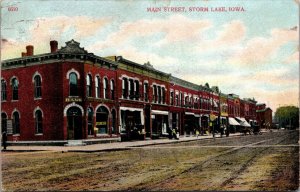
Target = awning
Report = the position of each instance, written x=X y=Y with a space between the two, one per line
x=158 y=112
x=232 y=121
x=243 y=122
x=189 y=113
x=131 y=109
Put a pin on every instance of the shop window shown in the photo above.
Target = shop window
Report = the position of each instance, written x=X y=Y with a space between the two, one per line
x=90 y=120
x=112 y=89
x=73 y=84
x=3 y=90
x=15 y=89
x=105 y=88
x=102 y=120
x=38 y=122
x=89 y=85
x=16 y=123
x=4 y=122
x=114 y=122
x=97 y=86
x=37 y=86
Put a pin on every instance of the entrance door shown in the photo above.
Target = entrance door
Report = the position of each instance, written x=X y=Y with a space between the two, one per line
x=74 y=117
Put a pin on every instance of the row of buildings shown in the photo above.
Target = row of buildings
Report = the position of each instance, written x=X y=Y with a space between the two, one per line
x=70 y=94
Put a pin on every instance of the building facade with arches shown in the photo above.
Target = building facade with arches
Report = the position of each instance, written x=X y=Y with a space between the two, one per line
x=71 y=94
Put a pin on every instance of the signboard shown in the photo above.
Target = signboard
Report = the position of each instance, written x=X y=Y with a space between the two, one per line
x=101 y=123
x=73 y=99
x=9 y=126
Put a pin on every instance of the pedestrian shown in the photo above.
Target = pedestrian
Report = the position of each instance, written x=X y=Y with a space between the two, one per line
x=4 y=140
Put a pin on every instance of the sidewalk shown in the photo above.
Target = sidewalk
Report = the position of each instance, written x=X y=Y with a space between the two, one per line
x=110 y=146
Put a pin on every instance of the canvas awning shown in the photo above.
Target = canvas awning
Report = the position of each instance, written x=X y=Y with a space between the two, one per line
x=232 y=121
x=189 y=113
x=243 y=122
x=215 y=103
x=158 y=112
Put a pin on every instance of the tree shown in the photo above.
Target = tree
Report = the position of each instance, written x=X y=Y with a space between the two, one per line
x=287 y=116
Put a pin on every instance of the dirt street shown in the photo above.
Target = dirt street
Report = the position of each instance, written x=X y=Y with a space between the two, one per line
x=253 y=162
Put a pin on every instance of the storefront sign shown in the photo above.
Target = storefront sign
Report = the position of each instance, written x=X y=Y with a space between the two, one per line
x=75 y=99
x=101 y=123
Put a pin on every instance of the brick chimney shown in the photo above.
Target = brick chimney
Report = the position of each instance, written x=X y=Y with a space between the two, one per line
x=29 y=49
x=53 y=46
x=24 y=54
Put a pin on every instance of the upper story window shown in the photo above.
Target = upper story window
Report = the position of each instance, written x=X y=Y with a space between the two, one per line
x=38 y=122
x=154 y=99
x=125 y=88
x=186 y=101
x=3 y=90
x=177 y=99
x=15 y=88
x=16 y=122
x=181 y=99
x=37 y=86
x=97 y=86
x=171 y=98
x=112 y=89
x=105 y=88
x=137 y=89
x=73 y=84
x=146 y=97
x=196 y=103
x=89 y=85
x=131 y=89
x=159 y=94
x=163 y=94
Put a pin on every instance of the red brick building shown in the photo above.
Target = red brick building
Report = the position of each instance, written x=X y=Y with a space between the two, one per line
x=70 y=93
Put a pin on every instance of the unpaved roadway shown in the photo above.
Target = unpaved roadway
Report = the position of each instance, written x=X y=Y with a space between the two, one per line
x=254 y=162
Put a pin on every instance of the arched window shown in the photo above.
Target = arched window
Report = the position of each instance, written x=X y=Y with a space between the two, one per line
x=97 y=86
x=16 y=123
x=38 y=122
x=15 y=87
x=112 y=89
x=3 y=90
x=105 y=88
x=4 y=122
x=73 y=84
x=37 y=87
x=89 y=85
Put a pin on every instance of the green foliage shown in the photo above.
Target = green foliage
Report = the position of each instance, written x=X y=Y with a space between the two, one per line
x=287 y=116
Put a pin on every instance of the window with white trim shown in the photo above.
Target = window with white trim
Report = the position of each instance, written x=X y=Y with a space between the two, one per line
x=3 y=90
x=38 y=122
x=37 y=86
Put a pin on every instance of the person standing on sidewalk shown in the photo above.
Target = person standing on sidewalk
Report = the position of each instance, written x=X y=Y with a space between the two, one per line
x=4 y=140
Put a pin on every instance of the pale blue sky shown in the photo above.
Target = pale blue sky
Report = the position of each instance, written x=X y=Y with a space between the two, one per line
x=254 y=53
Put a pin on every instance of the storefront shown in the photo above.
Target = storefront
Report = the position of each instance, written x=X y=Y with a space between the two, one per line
x=191 y=123
x=233 y=124
x=159 y=123
x=132 y=123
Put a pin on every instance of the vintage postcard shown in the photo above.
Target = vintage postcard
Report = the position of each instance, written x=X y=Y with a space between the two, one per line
x=162 y=95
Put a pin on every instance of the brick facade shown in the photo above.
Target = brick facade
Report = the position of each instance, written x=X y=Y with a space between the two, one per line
x=87 y=96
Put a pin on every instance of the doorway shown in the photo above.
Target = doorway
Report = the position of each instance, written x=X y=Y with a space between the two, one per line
x=74 y=118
